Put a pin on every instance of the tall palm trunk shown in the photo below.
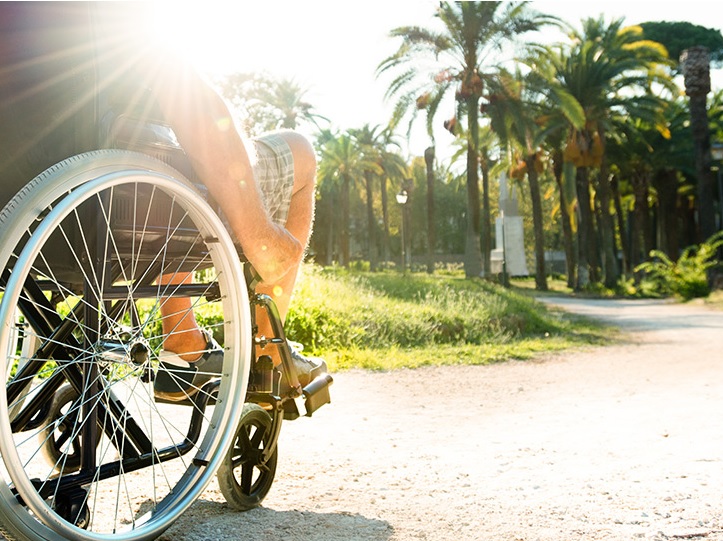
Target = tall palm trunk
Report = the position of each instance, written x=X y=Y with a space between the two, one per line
x=371 y=225
x=345 y=194
x=607 y=227
x=569 y=240
x=431 y=236
x=536 y=198
x=640 y=245
x=332 y=230
x=586 y=230
x=486 y=218
x=696 y=72
x=620 y=217
x=473 y=255
x=386 y=251
x=666 y=184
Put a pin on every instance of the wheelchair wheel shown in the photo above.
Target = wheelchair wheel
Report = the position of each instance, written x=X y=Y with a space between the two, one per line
x=83 y=246
x=246 y=474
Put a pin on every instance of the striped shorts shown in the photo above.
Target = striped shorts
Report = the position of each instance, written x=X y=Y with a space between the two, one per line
x=273 y=167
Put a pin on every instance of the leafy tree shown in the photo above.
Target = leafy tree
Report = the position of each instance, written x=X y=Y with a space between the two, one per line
x=268 y=104
x=456 y=61
x=679 y=36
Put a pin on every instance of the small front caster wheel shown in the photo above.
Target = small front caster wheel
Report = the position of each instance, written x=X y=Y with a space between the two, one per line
x=60 y=439
x=247 y=472
x=72 y=506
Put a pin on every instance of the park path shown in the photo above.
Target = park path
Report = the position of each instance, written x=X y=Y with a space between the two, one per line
x=620 y=443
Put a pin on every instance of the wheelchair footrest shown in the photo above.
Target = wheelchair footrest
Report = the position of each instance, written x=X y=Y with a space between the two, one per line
x=316 y=394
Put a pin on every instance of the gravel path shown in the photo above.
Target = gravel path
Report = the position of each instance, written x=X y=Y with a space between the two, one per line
x=617 y=443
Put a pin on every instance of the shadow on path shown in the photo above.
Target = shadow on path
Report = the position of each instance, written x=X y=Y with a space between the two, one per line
x=215 y=521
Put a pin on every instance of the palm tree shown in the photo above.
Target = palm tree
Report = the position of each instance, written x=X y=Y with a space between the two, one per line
x=695 y=65
x=343 y=162
x=521 y=116
x=369 y=140
x=457 y=60
x=607 y=68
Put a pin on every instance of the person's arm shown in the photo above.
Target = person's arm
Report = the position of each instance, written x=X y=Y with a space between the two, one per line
x=204 y=127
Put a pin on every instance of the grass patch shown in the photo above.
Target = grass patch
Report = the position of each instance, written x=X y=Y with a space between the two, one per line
x=386 y=320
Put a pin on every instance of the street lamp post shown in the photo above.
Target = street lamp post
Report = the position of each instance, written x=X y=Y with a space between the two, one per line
x=402 y=198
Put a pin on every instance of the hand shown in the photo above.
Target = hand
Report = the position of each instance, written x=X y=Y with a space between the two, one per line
x=274 y=253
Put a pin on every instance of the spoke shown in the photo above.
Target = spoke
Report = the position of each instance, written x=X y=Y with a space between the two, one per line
x=247 y=477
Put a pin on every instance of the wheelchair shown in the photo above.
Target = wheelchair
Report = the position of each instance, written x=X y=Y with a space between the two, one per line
x=87 y=452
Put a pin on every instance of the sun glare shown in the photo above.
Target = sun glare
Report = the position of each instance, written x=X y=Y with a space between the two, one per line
x=218 y=37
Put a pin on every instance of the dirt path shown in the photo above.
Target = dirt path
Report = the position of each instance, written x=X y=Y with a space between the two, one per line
x=618 y=443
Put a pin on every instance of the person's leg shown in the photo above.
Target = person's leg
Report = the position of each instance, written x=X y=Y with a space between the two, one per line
x=299 y=223
x=180 y=330
x=182 y=334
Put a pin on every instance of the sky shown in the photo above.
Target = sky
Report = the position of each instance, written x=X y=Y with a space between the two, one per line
x=332 y=48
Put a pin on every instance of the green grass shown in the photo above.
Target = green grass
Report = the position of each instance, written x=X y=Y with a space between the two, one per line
x=386 y=320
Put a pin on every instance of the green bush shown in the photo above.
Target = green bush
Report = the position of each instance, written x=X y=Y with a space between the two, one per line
x=687 y=277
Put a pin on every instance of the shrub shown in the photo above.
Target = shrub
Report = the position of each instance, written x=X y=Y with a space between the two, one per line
x=688 y=276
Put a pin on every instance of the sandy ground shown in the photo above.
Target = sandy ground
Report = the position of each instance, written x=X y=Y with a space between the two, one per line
x=623 y=442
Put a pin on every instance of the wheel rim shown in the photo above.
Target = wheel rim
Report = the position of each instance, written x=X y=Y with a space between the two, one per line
x=138 y=512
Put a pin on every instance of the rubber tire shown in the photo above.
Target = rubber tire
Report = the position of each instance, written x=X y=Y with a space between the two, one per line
x=237 y=469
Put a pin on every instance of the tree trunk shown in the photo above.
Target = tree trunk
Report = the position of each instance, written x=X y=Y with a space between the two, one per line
x=695 y=65
x=566 y=223
x=586 y=231
x=486 y=218
x=431 y=236
x=639 y=246
x=666 y=184
x=536 y=199
x=473 y=255
x=332 y=230
x=701 y=141
x=607 y=227
x=386 y=251
x=371 y=221
x=345 y=189
x=620 y=217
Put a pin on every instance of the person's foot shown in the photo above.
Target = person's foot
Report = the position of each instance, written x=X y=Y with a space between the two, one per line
x=307 y=368
x=177 y=380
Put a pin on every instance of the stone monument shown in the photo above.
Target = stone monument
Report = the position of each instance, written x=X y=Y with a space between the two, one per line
x=509 y=235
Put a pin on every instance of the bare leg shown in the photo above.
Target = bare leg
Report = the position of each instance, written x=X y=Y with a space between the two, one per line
x=180 y=329
x=179 y=326
x=298 y=224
